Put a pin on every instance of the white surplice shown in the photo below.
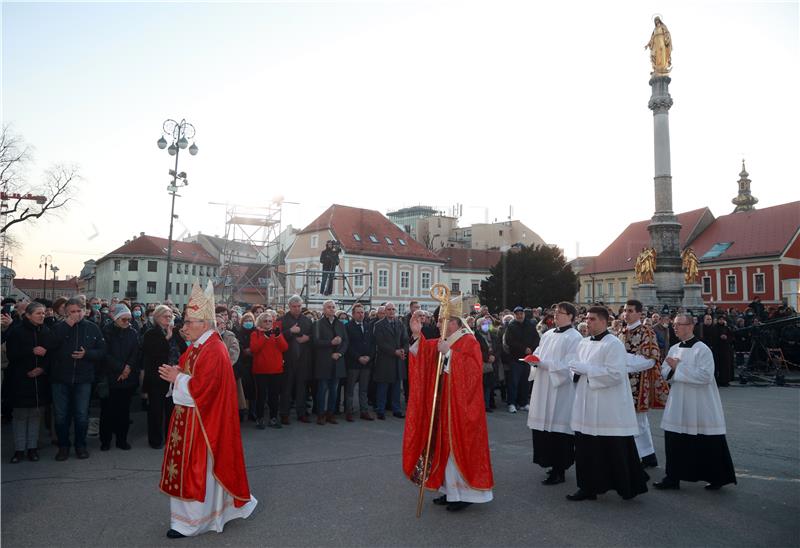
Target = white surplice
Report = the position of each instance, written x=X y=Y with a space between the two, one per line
x=553 y=390
x=693 y=406
x=603 y=402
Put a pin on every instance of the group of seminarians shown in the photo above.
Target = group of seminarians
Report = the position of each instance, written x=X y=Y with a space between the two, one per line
x=582 y=412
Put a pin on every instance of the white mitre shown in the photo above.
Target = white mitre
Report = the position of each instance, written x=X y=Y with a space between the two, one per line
x=201 y=303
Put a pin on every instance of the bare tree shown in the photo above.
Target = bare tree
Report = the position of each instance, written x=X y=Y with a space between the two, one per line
x=28 y=202
x=15 y=157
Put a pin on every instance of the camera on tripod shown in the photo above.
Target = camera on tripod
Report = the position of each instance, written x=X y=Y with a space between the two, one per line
x=335 y=245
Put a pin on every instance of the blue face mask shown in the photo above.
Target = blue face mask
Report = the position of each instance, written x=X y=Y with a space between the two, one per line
x=248 y=325
x=345 y=321
x=96 y=306
x=485 y=328
x=137 y=313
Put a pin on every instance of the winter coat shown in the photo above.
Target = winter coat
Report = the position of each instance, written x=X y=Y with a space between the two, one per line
x=66 y=370
x=122 y=348
x=267 y=349
x=388 y=366
x=25 y=391
x=519 y=336
x=322 y=333
x=298 y=355
x=155 y=352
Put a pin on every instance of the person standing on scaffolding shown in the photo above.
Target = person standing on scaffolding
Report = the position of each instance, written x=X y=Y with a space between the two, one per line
x=330 y=260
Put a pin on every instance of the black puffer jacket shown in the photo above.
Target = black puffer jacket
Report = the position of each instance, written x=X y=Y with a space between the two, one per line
x=65 y=369
x=122 y=348
x=25 y=391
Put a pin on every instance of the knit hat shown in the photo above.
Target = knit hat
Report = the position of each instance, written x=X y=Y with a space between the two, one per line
x=118 y=311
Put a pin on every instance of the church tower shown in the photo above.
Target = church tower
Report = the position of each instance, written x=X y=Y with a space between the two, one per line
x=744 y=201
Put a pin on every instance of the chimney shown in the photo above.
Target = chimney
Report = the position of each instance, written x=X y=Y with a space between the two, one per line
x=141 y=234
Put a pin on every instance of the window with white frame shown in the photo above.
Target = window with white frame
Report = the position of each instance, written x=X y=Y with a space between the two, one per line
x=383 y=278
x=623 y=289
x=610 y=289
x=426 y=280
x=476 y=287
x=151 y=288
x=731 y=283
x=759 y=285
x=358 y=280
x=455 y=286
x=587 y=293
x=314 y=241
x=707 y=285
x=401 y=308
x=405 y=279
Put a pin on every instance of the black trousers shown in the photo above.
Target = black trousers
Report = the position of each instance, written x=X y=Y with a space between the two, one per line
x=159 y=412
x=115 y=415
x=604 y=463
x=295 y=377
x=268 y=389
x=553 y=449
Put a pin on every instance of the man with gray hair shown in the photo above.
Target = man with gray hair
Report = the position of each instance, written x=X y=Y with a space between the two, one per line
x=296 y=360
x=391 y=341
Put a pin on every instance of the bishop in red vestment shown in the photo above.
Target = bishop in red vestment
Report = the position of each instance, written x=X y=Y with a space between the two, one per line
x=203 y=468
x=460 y=466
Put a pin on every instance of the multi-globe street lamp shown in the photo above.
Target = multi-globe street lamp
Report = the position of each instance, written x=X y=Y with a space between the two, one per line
x=44 y=259
x=180 y=133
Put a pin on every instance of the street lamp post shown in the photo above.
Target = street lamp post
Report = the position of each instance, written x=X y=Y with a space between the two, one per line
x=180 y=133
x=54 y=269
x=45 y=259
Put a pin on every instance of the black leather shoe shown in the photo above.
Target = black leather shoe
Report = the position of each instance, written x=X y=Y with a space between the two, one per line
x=399 y=414
x=457 y=506
x=440 y=501
x=381 y=417
x=18 y=456
x=82 y=453
x=650 y=461
x=667 y=483
x=172 y=533
x=554 y=478
x=63 y=453
x=105 y=446
x=125 y=446
x=580 y=494
x=713 y=487
x=33 y=455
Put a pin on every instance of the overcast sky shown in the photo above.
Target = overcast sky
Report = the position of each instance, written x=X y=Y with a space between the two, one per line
x=540 y=107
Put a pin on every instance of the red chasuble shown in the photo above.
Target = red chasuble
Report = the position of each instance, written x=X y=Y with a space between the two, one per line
x=211 y=427
x=460 y=425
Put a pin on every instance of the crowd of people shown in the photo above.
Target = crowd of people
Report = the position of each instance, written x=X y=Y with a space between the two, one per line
x=290 y=365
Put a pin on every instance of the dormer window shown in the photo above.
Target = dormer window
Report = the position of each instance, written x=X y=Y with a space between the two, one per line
x=402 y=241
x=373 y=239
x=356 y=237
x=389 y=240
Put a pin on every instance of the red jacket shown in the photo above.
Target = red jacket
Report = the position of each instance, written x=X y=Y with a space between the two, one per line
x=267 y=352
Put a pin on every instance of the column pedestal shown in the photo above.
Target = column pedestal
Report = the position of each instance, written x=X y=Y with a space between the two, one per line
x=693 y=298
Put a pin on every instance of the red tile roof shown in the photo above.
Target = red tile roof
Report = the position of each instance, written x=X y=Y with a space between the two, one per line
x=345 y=222
x=621 y=255
x=28 y=283
x=152 y=246
x=757 y=233
x=468 y=259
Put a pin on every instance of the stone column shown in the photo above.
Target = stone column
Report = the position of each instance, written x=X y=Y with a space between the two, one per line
x=664 y=227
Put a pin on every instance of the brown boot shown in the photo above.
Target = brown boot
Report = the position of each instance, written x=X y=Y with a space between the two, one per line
x=304 y=419
x=331 y=419
x=321 y=419
x=285 y=420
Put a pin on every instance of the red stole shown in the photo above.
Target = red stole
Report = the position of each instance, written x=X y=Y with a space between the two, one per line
x=460 y=425
x=212 y=426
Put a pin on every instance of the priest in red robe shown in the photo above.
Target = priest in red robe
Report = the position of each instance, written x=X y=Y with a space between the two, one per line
x=460 y=467
x=203 y=470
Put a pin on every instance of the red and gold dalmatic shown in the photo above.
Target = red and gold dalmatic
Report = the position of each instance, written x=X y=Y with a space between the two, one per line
x=209 y=428
x=650 y=390
x=460 y=425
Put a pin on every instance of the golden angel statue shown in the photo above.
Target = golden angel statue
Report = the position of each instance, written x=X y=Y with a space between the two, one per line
x=690 y=266
x=645 y=266
x=660 y=46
